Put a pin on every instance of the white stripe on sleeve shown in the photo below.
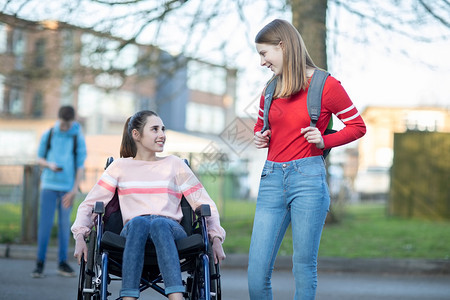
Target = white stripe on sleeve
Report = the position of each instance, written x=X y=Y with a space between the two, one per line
x=345 y=110
x=350 y=118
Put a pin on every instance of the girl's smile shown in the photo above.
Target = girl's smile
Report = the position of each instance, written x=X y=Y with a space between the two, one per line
x=271 y=57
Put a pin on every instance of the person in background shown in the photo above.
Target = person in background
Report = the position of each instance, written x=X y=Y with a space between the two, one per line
x=293 y=188
x=61 y=152
x=150 y=189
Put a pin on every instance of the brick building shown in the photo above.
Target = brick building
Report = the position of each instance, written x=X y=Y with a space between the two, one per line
x=46 y=64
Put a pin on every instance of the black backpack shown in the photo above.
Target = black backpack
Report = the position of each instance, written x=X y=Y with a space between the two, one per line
x=313 y=101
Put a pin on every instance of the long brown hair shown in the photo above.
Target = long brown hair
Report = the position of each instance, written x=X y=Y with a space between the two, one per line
x=295 y=56
x=137 y=121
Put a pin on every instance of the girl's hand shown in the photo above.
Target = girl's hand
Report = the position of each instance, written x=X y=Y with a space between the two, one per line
x=219 y=254
x=80 y=249
x=67 y=199
x=262 y=140
x=313 y=136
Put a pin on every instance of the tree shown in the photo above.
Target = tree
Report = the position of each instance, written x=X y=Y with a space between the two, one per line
x=309 y=17
x=149 y=21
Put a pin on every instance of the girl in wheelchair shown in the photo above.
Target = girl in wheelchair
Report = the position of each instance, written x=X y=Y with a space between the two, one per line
x=150 y=189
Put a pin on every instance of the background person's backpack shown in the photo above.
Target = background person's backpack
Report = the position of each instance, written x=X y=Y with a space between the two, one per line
x=313 y=101
x=75 y=145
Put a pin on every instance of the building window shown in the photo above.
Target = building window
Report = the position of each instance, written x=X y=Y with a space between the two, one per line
x=3 y=38
x=148 y=62
x=206 y=78
x=98 y=106
x=39 y=58
x=145 y=102
x=15 y=101
x=38 y=105
x=18 y=48
x=204 y=118
x=67 y=90
x=67 y=59
x=2 y=93
x=103 y=54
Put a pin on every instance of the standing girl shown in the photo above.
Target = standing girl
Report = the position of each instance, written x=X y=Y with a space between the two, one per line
x=293 y=187
x=150 y=190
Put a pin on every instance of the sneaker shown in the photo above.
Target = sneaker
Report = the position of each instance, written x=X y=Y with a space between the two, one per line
x=39 y=270
x=65 y=270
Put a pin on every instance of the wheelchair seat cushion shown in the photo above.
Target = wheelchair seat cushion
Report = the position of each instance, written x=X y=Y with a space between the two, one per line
x=115 y=244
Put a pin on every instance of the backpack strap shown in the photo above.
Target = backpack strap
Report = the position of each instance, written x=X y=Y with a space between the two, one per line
x=49 y=140
x=314 y=102
x=268 y=95
x=75 y=146
x=314 y=97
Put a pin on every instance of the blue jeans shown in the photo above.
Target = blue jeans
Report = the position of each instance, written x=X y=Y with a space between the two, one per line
x=163 y=232
x=294 y=192
x=50 y=200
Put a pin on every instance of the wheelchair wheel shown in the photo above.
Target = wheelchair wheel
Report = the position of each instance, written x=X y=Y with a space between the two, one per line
x=201 y=284
x=81 y=279
x=87 y=269
x=214 y=270
x=216 y=292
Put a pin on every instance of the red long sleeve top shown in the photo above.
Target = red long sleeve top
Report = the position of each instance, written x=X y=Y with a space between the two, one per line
x=287 y=116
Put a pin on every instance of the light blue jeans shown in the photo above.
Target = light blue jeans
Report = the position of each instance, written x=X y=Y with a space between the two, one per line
x=49 y=202
x=163 y=232
x=294 y=192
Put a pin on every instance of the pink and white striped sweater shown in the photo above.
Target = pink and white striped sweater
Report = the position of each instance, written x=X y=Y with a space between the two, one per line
x=148 y=187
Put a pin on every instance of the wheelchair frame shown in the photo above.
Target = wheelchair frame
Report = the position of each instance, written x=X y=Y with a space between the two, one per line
x=105 y=249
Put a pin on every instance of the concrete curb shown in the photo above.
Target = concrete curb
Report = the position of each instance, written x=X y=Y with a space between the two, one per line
x=363 y=265
x=385 y=265
x=18 y=251
x=325 y=264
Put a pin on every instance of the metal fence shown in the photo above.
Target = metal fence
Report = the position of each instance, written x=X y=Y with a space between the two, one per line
x=12 y=182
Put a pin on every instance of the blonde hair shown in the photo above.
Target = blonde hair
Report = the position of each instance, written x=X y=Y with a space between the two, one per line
x=295 y=56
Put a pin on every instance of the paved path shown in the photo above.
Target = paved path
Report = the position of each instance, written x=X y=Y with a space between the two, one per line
x=16 y=283
x=325 y=264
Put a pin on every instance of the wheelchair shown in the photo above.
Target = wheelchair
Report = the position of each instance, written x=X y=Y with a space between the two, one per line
x=201 y=276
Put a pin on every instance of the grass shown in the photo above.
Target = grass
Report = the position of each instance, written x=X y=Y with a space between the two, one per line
x=363 y=232
x=368 y=232
x=10 y=222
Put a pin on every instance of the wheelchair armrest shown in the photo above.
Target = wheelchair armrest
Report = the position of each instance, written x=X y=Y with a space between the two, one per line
x=99 y=208
x=203 y=210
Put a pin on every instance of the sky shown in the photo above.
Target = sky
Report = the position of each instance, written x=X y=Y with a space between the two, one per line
x=386 y=69
x=391 y=69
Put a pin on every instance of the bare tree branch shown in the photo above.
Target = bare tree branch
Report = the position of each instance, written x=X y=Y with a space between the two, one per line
x=430 y=10
x=389 y=21
x=118 y=2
